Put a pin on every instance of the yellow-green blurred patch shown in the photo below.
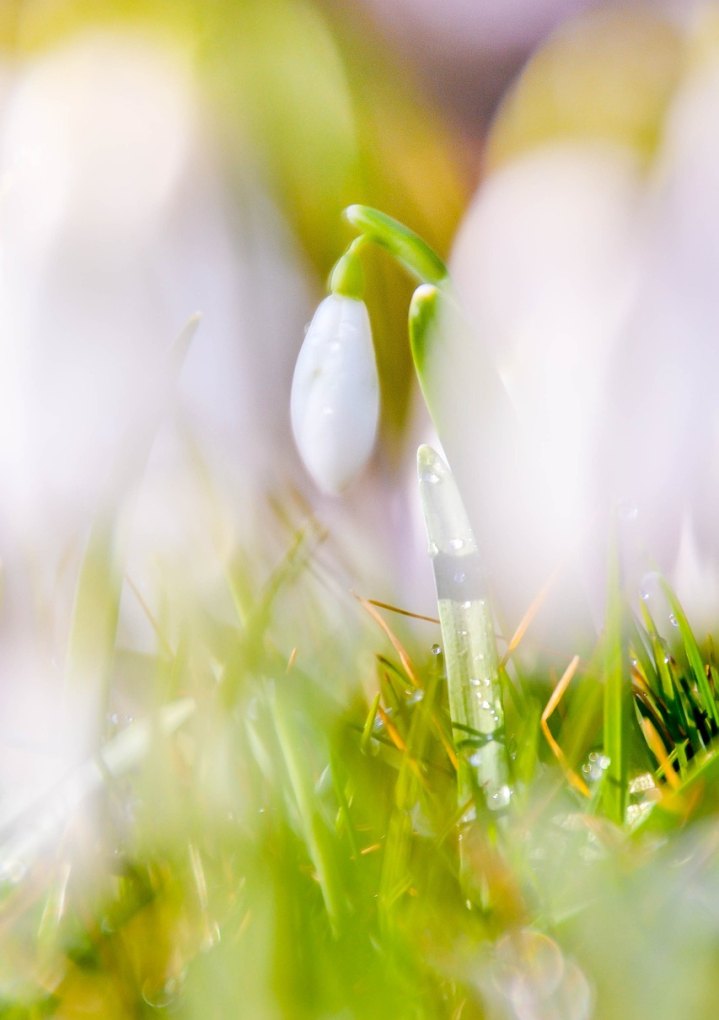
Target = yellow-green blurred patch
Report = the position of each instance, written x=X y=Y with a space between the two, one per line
x=608 y=76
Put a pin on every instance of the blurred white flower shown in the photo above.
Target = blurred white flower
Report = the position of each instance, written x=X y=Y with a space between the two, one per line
x=590 y=284
x=546 y=266
x=335 y=393
x=114 y=230
x=663 y=455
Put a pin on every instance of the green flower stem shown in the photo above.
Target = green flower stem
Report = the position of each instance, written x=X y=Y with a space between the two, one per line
x=424 y=334
x=406 y=246
x=457 y=375
x=436 y=332
x=475 y=695
x=347 y=276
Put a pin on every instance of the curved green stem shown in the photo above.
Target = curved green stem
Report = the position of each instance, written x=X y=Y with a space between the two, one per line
x=401 y=242
x=347 y=277
x=424 y=333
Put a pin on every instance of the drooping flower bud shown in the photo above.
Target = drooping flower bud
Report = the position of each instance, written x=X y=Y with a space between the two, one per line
x=334 y=404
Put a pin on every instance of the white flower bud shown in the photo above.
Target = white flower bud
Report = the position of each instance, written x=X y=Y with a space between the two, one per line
x=335 y=393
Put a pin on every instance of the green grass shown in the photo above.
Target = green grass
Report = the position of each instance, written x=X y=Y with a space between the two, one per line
x=278 y=833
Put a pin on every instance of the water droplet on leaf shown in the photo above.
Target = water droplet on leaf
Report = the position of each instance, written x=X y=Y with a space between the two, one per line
x=500 y=798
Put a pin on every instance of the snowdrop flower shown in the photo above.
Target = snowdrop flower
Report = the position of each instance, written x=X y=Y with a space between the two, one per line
x=545 y=264
x=590 y=284
x=334 y=404
x=113 y=231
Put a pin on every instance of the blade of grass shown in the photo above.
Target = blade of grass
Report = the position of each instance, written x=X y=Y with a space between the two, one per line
x=694 y=656
x=524 y=624
x=617 y=705
x=557 y=694
x=402 y=652
x=95 y=616
x=314 y=829
x=659 y=751
x=678 y=712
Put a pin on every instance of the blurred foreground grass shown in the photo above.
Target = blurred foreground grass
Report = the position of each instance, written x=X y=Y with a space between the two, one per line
x=271 y=828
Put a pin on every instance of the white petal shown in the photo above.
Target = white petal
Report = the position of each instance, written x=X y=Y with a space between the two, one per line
x=546 y=265
x=335 y=394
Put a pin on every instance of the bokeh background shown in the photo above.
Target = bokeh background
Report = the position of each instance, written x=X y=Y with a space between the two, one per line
x=161 y=159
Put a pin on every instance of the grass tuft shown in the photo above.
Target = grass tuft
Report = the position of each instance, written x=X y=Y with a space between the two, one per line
x=289 y=827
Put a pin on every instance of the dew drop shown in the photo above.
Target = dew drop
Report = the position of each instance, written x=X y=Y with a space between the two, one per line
x=500 y=798
x=642 y=783
x=673 y=620
x=436 y=650
x=456 y=544
x=163 y=997
x=429 y=476
x=595 y=766
x=460 y=576
x=650 y=585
